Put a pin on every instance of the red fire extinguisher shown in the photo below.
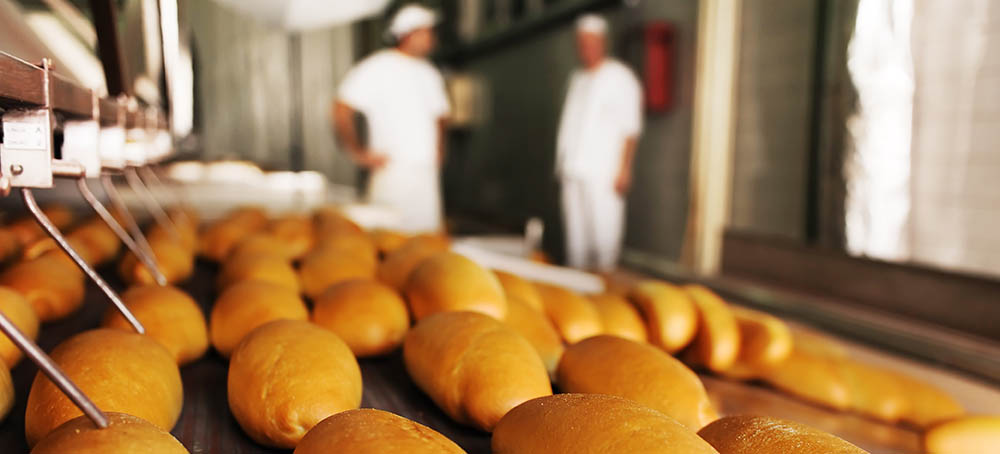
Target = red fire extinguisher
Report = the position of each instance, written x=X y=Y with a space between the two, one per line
x=659 y=53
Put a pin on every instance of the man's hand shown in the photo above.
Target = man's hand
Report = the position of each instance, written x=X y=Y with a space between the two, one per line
x=623 y=182
x=370 y=159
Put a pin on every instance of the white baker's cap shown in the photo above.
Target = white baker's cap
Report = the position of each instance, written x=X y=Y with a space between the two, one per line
x=411 y=18
x=592 y=23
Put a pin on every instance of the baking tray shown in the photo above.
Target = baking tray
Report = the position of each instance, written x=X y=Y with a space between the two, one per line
x=207 y=427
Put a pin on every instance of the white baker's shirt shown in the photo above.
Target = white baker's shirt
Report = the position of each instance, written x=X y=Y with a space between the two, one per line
x=603 y=108
x=402 y=97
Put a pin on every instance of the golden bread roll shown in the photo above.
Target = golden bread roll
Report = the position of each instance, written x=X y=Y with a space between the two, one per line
x=969 y=435
x=124 y=434
x=812 y=377
x=538 y=330
x=810 y=341
x=324 y=267
x=387 y=241
x=357 y=245
x=266 y=268
x=473 y=366
x=928 y=404
x=366 y=314
x=99 y=239
x=640 y=372
x=47 y=247
x=371 y=431
x=286 y=377
x=592 y=424
x=217 y=240
x=670 y=315
x=53 y=289
x=262 y=244
x=515 y=287
x=874 y=391
x=451 y=282
x=619 y=317
x=174 y=261
x=574 y=317
x=397 y=266
x=27 y=230
x=6 y=393
x=246 y=305
x=119 y=371
x=170 y=316
x=19 y=311
x=330 y=220
x=10 y=246
x=186 y=236
x=252 y=218
x=295 y=232
x=717 y=341
x=763 y=435
x=765 y=342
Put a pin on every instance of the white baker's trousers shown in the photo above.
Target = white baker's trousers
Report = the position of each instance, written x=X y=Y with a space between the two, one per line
x=594 y=218
x=412 y=191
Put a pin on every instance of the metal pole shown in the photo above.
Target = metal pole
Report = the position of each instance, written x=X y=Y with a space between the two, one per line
x=154 y=208
x=148 y=260
x=29 y=201
x=130 y=223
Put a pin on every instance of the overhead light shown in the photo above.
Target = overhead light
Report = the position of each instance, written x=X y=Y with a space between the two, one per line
x=300 y=15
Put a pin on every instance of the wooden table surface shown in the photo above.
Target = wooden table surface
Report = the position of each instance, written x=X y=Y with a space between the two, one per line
x=206 y=425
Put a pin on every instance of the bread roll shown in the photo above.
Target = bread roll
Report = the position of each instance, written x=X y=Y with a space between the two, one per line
x=640 y=372
x=592 y=424
x=286 y=377
x=99 y=239
x=124 y=434
x=120 y=372
x=473 y=367
x=53 y=289
x=265 y=268
x=252 y=218
x=397 y=266
x=330 y=220
x=295 y=232
x=619 y=317
x=387 y=241
x=173 y=259
x=10 y=246
x=47 y=247
x=763 y=435
x=928 y=404
x=356 y=245
x=217 y=240
x=874 y=391
x=451 y=282
x=186 y=235
x=515 y=287
x=812 y=377
x=971 y=435
x=371 y=431
x=247 y=305
x=6 y=393
x=27 y=230
x=18 y=310
x=170 y=316
x=322 y=268
x=366 y=314
x=765 y=342
x=717 y=341
x=538 y=330
x=261 y=244
x=671 y=319
x=574 y=316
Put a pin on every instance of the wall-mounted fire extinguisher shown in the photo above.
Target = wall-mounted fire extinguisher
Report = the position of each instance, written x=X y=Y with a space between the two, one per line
x=659 y=58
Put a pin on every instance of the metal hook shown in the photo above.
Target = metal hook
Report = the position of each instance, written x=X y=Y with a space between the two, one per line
x=154 y=208
x=105 y=215
x=29 y=201
x=54 y=372
x=130 y=223
x=150 y=175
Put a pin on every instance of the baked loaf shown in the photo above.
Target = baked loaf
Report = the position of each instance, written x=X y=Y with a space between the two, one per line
x=451 y=282
x=763 y=435
x=395 y=269
x=27 y=230
x=387 y=241
x=928 y=404
x=765 y=342
x=247 y=305
x=124 y=434
x=371 y=431
x=10 y=246
x=811 y=377
x=538 y=330
x=619 y=317
x=515 y=287
x=971 y=435
x=170 y=317
x=717 y=341
x=327 y=266
x=640 y=372
x=261 y=267
x=120 y=371
x=53 y=289
x=296 y=232
x=6 y=393
x=286 y=377
x=473 y=367
x=20 y=313
x=262 y=243
x=101 y=242
x=671 y=319
x=592 y=424
x=368 y=315
x=574 y=317
x=174 y=260
x=218 y=239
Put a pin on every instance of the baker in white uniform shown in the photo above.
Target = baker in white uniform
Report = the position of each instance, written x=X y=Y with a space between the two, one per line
x=403 y=99
x=600 y=126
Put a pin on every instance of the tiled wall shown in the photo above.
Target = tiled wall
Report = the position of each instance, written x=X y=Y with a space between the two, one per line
x=955 y=218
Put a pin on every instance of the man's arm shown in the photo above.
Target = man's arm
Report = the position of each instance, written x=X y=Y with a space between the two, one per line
x=442 y=140
x=343 y=125
x=624 y=180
